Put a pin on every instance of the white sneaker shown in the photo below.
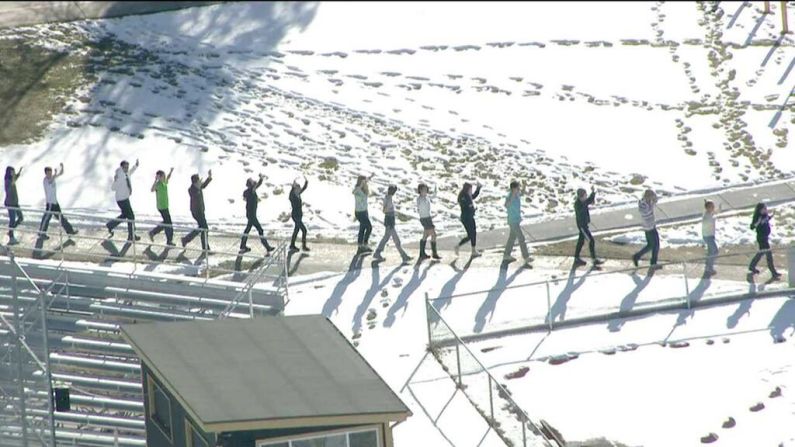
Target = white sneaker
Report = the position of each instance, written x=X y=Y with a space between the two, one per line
x=476 y=252
x=508 y=259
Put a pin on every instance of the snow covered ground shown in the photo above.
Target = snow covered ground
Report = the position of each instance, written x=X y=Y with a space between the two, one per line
x=560 y=95
x=540 y=92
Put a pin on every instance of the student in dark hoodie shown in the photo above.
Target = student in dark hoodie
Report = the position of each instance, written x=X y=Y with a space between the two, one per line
x=12 y=202
x=761 y=223
x=297 y=214
x=250 y=196
x=466 y=202
x=583 y=216
x=197 y=209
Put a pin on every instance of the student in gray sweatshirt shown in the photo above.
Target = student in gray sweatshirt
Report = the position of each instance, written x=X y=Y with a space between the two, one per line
x=389 y=230
x=646 y=208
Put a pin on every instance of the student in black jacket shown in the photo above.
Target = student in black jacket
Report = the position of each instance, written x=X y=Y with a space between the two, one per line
x=466 y=202
x=12 y=202
x=583 y=216
x=761 y=223
x=297 y=214
x=250 y=196
x=197 y=209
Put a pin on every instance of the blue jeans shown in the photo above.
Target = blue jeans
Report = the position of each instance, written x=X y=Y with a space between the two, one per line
x=14 y=218
x=712 y=250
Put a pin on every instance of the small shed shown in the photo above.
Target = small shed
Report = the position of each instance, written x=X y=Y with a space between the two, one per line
x=266 y=382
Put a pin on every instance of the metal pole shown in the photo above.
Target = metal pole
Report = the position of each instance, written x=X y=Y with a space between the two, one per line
x=458 y=362
x=250 y=303
x=767 y=7
x=22 y=397
x=48 y=375
x=549 y=307
x=784 y=25
x=491 y=400
x=428 y=320
x=60 y=235
x=687 y=285
x=206 y=254
x=524 y=432
x=134 y=247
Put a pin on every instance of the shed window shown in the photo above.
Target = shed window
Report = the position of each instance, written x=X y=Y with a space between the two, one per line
x=160 y=408
x=353 y=438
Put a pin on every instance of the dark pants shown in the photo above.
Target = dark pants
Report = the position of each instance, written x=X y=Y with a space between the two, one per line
x=202 y=222
x=165 y=225
x=471 y=229
x=764 y=249
x=126 y=213
x=14 y=219
x=54 y=208
x=652 y=244
x=365 y=227
x=298 y=220
x=585 y=233
x=254 y=222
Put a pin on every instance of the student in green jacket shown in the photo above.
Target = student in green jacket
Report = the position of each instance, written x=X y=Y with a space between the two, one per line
x=160 y=188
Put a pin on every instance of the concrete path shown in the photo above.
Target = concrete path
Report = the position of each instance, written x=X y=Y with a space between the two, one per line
x=30 y=13
x=670 y=211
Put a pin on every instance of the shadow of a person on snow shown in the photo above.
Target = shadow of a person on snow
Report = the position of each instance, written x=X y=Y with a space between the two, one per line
x=335 y=299
x=490 y=303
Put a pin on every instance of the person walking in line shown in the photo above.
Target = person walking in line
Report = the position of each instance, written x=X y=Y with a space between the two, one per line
x=513 y=203
x=251 y=198
x=708 y=233
x=297 y=214
x=583 y=217
x=389 y=227
x=761 y=223
x=466 y=202
x=12 y=202
x=360 y=193
x=123 y=189
x=646 y=208
x=428 y=229
x=52 y=207
x=160 y=188
x=196 y=192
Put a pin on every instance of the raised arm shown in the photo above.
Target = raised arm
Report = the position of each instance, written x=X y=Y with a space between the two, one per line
x=259 y=183
x=306 y=183
x=154 y=186
x=477 y=192
x=17 y=174
x=168 y=177
x=59 y=172
x=135 y=166
x=209 y=179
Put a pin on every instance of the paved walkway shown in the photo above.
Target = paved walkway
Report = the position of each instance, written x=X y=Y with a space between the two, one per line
x=671 y=211
x=30 y=13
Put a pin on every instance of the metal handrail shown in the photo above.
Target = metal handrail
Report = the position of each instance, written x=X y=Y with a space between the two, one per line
x=609 y=272
x=252 y=280
x=502 y=391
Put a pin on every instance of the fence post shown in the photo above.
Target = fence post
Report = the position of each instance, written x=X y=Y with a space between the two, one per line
x=458 y=362
x=549 y=307
x=18 y=344
x=428 y=320
x=48 y=375
x=687 y=285
x=60 y=235
x=250 y=302
x=206 y=254
x=135 y=248
x=784 y=23
x=491 y=399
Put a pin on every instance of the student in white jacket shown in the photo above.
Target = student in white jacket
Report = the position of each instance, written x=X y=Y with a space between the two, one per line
x=646 y=209
x=123 y=189
x=428 y=229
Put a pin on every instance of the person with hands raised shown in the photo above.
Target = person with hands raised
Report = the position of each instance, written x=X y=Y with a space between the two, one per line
x=160 y=188
x=251 y=198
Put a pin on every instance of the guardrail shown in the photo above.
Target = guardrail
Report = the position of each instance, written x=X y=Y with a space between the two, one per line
x=485 y=392
x=32 y=240
x=582 y=298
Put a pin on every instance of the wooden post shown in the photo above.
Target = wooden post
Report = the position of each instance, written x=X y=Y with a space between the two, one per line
x=784 y=25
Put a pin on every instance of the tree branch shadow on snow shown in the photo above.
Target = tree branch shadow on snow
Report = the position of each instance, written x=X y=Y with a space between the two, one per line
x=490 y=303
x=335 y=299
x=561 y=303
x=376 y=284
x=402 y=301
x=170 y=83
x=629 y=301
x=783 y=320
x=449 y=289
